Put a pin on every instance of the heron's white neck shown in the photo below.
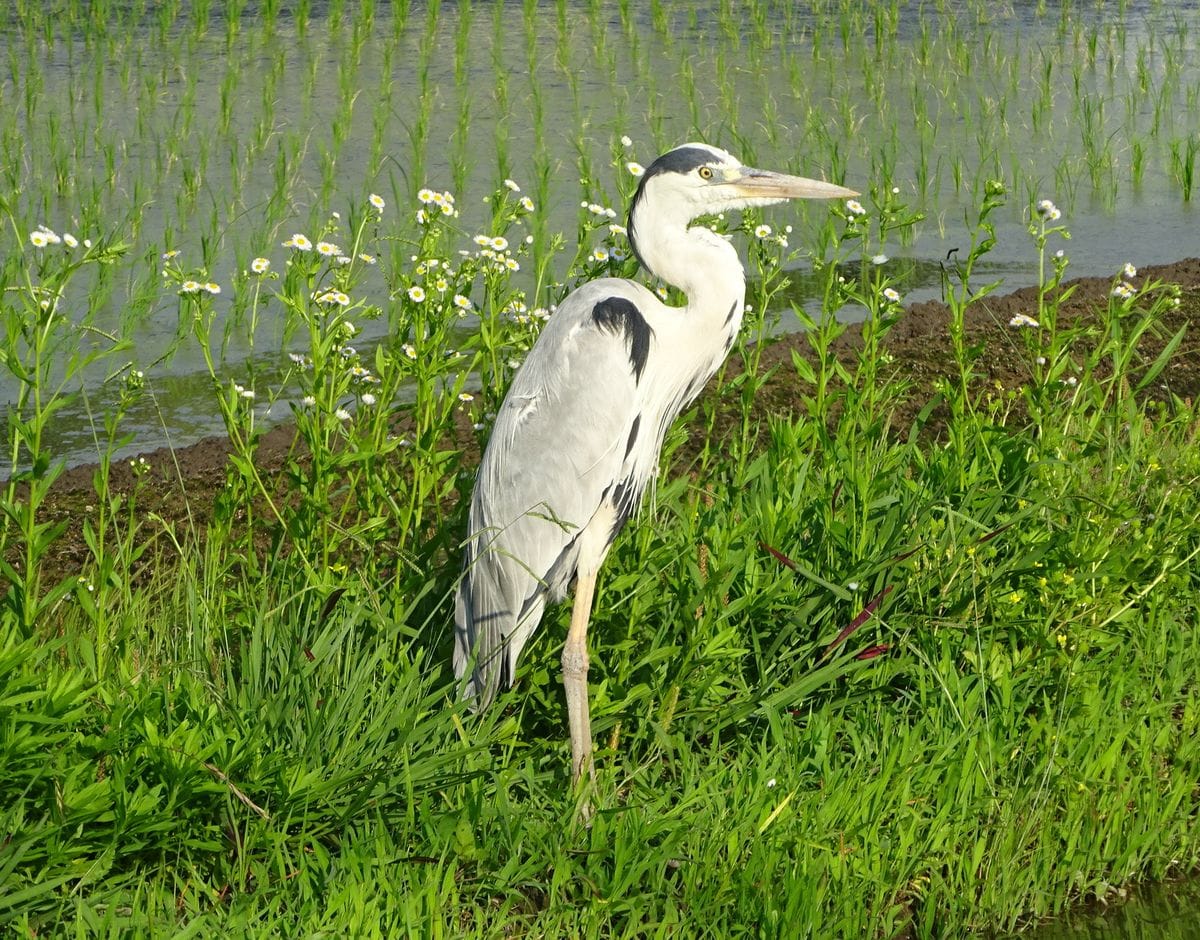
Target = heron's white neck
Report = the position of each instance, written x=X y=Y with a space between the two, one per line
x=700 y=263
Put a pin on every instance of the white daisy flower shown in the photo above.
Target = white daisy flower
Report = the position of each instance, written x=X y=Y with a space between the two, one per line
x=635 y=168
x=527 y=204
x=891 y=294
x=1023 y=319
x=342 y=414
x=1048 y=210
x=416 y=294
x=409 y=350
x=1129 y=270
x=854 y=207
x=71 y=241
x=368 y=398
x=512 y=186
x=328 y=249
x=426 y=195
x=299 y=242
x=39 y=239
x=260 y=265
x=376 y=201
x=463 y=303
x=190 y=287
x=763 y=231
x=499 y=243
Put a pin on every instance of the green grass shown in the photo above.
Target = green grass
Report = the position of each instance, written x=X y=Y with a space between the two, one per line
x=852 y=673
x=846 y=677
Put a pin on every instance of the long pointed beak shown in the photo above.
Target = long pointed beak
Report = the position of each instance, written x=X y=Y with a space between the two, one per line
x=766 y=184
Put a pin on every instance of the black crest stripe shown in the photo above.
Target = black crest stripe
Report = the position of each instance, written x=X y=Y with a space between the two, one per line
x=679 y=160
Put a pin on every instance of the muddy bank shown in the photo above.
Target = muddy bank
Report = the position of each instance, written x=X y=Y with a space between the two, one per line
x=183 y=483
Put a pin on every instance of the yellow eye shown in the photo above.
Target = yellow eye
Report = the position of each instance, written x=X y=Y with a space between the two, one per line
x=706 y=172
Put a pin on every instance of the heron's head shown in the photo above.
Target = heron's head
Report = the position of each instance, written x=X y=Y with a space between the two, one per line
x=698 y=179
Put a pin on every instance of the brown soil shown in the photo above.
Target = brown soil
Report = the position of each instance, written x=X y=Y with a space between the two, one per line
x=184 y=482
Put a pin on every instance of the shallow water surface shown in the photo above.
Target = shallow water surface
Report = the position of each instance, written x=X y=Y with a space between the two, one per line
x=1159 y=912
x=219 y=137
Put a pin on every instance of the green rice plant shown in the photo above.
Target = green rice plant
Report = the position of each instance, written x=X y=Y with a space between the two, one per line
x=1183 y=163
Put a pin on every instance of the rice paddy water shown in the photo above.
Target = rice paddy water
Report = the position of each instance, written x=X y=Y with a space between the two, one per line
x=216 y=130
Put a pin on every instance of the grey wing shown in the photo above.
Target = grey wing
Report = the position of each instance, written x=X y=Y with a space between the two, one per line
x=550 y=471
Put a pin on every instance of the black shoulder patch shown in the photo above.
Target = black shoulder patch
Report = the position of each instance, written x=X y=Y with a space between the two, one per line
x=619 y=315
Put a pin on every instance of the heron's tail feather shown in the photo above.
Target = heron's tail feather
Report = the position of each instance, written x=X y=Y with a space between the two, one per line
x=486 y=613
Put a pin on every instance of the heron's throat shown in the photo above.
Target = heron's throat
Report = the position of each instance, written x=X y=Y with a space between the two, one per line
x=696 y=260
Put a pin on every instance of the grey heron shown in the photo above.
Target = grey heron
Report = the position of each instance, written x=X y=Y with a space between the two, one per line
x=579 y=434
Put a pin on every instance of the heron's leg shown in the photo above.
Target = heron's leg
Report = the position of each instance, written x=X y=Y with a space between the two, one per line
x=575 y=670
